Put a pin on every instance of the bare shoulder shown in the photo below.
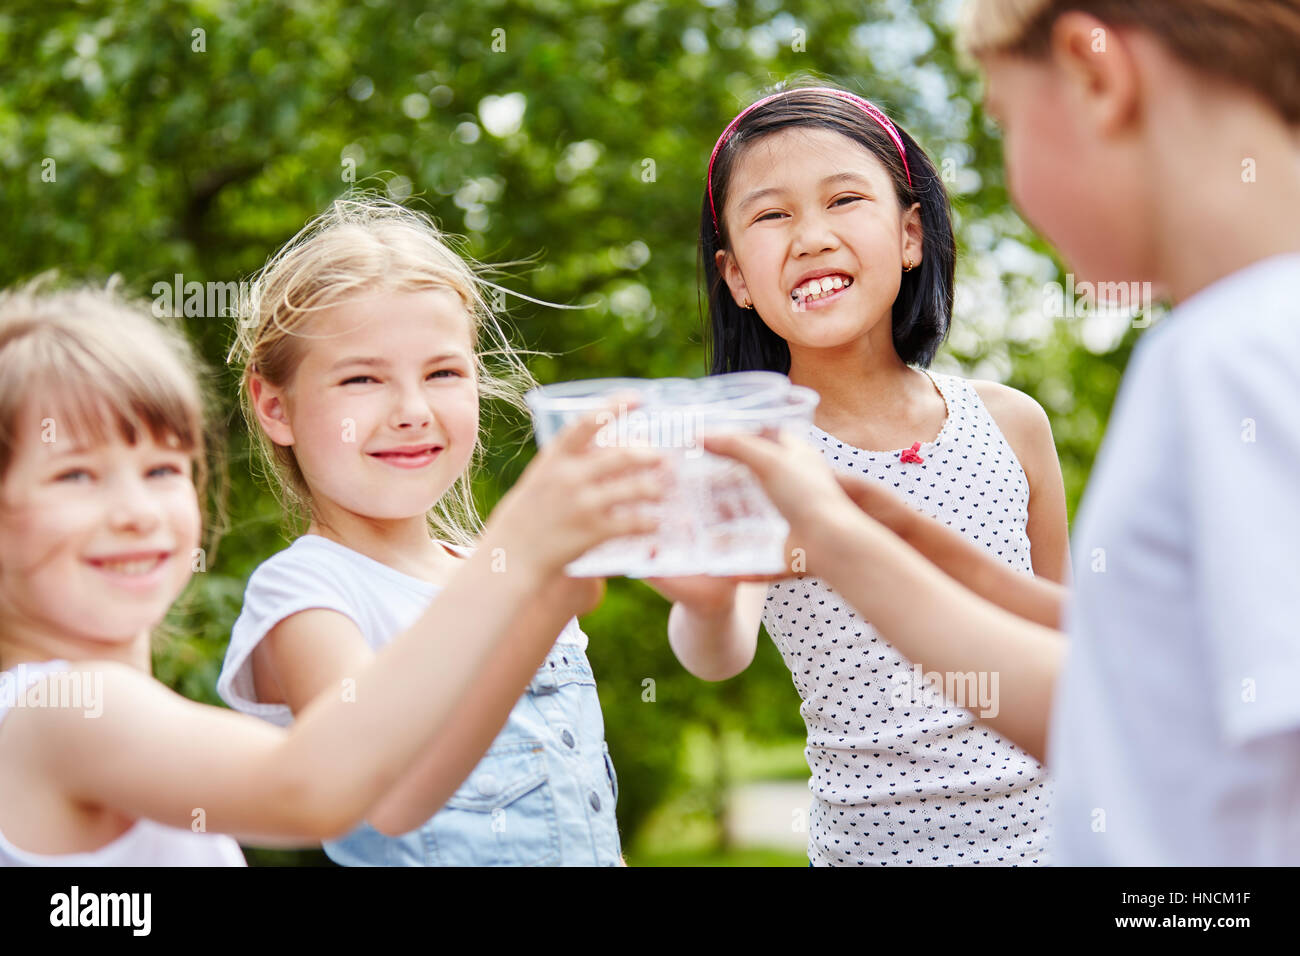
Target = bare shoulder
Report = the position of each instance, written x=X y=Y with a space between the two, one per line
x=1017 y=414
x=1022 y=421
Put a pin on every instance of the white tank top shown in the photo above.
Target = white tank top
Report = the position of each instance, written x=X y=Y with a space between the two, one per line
x=899 y=775
x=146 y=844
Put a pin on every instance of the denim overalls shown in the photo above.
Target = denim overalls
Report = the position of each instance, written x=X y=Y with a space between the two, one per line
x=543 y=794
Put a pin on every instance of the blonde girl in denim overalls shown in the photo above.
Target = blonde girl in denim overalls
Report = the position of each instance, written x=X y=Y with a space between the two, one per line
x=362 y=358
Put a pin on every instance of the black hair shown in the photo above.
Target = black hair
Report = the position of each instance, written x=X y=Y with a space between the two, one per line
x=740 y=340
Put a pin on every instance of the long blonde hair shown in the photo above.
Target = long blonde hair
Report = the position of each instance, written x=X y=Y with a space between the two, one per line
x=364 y=244
x=1251 y=43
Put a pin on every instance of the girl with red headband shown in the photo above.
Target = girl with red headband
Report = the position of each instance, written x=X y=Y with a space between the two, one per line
x=1152 y=142
x=828 y=254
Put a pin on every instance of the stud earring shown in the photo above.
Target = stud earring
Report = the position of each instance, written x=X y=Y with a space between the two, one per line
x=907 y=266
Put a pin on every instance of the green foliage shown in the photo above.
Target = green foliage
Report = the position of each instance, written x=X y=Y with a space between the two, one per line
x=644 y=721
x=755 y=857
x=160 y=137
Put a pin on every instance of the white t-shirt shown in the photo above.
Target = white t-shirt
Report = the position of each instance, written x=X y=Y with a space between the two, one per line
x=1176 y=733
x=315 y=572
x=146 y=844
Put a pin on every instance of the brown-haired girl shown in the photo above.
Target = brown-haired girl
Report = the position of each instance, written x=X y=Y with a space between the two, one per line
x=101 y=443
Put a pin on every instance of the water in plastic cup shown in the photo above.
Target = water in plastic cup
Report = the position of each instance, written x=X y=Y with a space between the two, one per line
x=716 y=518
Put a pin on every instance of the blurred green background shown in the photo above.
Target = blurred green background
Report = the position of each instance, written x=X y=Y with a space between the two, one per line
x=162 y=138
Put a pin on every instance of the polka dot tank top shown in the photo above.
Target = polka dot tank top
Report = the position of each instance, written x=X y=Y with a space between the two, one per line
x=899 y=775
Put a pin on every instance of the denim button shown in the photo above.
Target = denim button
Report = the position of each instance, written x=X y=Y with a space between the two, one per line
x=567 y=738
x=486 y=784
x=595 y=802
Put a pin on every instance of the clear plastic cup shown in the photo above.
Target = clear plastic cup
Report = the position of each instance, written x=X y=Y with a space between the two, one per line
x=716 y=519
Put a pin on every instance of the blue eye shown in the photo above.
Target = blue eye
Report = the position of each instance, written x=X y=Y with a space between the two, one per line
x=165 y=470
x=71 y=474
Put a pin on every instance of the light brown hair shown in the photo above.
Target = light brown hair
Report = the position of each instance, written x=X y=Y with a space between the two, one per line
x=1254 y=44
x=93 y=360
x=89 y=361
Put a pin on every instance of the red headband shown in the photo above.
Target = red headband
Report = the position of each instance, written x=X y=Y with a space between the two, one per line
x=857 y=101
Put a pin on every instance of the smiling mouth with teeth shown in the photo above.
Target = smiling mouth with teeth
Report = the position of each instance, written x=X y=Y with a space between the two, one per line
x=815 y=289
x=129 y=567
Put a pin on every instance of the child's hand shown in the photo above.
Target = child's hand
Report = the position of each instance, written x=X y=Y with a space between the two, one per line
x=580 y=595
x=575 y=495
x=801 y=485
x=793 y=473
x=879 y=502
x=703 y=594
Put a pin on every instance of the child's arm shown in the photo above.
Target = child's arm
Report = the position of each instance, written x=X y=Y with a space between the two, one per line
x=459 y=748
x=713 y=624
x=927 y=616
x=713 y=628
x=154 y=754
x=310 y=654
x=1032 y=597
